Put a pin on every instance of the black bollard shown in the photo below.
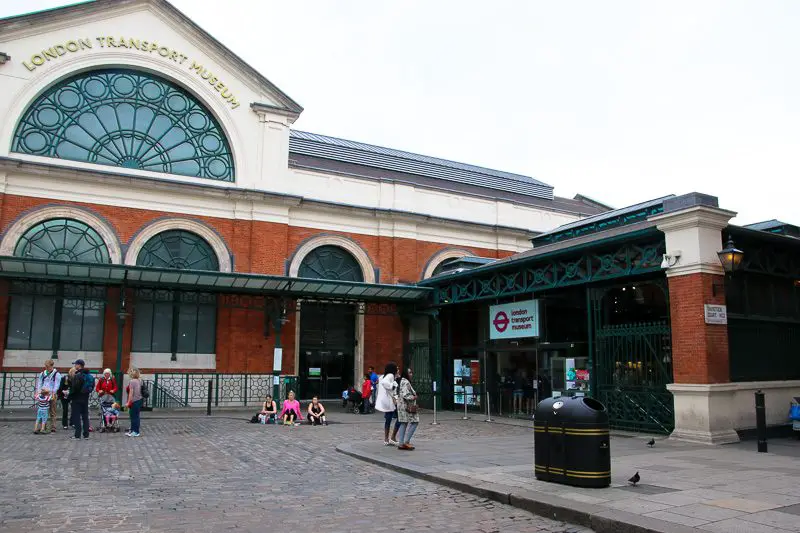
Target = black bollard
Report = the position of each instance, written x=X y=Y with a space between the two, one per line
x=208 y=405
x=761 y=422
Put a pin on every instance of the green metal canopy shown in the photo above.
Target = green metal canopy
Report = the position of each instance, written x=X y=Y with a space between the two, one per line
x=202 y=280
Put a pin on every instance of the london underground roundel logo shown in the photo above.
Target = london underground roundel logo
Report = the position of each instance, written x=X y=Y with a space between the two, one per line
x=500 y=321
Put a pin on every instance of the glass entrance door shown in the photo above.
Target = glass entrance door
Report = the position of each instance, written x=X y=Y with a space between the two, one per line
x=327 y=348
x=323 y=373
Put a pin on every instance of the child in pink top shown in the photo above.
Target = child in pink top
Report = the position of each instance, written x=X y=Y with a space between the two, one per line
x=291 y=410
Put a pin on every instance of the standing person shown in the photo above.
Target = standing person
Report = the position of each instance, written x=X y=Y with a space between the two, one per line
x=407 y=414
x=81 y=386
x=63 y=396
x=134 y=401
x=366 y=394
x=373 y=377
x=50 y=378
x=42 y=411
x=385 y=402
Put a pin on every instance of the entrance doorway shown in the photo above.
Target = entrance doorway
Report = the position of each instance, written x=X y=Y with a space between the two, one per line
x=327 y=349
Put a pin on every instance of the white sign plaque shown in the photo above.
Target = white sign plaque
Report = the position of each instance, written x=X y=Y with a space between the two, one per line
x=277 y=359
x=515 y=320
x=716 y=314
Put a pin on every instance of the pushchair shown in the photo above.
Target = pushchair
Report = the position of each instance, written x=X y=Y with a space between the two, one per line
x=354 y=401
x=106 y=408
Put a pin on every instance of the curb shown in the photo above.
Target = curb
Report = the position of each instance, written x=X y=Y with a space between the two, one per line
x=600 y=519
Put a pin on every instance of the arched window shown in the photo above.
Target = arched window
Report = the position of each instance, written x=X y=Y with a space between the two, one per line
x=330 y=262
x=126 y=118
x=63 y=240
x=58 y=316
x=171 y=321
x=178 y=249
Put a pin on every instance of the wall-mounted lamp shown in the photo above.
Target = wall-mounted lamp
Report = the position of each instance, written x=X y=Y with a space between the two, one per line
x=670 y=260
x=730 y=258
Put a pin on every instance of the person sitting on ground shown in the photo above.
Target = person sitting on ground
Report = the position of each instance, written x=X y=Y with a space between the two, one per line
x=43 y=411
x=366 y=395
x=291 y=410
x=316 y=413
x=268 y=411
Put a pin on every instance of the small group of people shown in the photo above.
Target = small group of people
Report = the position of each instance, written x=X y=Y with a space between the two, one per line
x=73 y=391
x=290 y=412
x=397 y=399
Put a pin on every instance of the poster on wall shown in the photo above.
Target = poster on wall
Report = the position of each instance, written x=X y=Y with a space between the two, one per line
x=475 y=372
x=515 y=320
x=570 y=375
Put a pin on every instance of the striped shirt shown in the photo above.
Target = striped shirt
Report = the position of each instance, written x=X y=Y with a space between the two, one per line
x=43 y=401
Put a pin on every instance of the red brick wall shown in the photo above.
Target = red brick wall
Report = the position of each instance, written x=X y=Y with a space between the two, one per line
x=699 y=350
x=264 y=248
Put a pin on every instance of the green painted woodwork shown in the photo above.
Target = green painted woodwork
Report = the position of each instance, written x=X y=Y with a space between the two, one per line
x=330 y=262
x=601 y=225
x=600 y=264
x=129 y=119
x=62 y=240
x=178 y=249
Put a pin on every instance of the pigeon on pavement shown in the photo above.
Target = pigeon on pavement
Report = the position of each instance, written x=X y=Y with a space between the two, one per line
x=635 y=479
x=651 y=442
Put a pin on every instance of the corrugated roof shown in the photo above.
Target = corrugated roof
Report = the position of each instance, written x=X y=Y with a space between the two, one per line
x=607 y=215
x=313 y=144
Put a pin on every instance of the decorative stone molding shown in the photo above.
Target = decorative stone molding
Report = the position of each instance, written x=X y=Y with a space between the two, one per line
x=440 y=257
x=184 y=361
x=367 y=269
x=36 y=358
x=36 y=216
x=695 y=235
x=186 y=224
x=712 y=413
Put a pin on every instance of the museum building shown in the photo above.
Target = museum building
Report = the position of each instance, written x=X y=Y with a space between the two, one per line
x=158 y=209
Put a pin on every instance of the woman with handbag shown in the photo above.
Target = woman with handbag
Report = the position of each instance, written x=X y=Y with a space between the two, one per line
x=407 y=414
x=385 y=402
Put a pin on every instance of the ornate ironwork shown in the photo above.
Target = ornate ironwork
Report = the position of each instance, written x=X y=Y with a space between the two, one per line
x=228 y=390
x=627 y=260
x=330 y=262
x=63 y=239
x=178 y=249
x=17 y=388
x=128 y=119
x=418 y=358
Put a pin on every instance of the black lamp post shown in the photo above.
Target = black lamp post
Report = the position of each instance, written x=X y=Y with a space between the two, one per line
x=730 y=257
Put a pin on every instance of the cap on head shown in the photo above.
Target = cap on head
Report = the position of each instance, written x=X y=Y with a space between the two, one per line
x=80 y=362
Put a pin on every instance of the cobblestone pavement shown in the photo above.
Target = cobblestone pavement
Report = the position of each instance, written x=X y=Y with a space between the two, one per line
x=222 y=474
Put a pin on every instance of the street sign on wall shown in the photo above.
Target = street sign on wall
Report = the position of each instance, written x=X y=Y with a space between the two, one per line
x=515 y=320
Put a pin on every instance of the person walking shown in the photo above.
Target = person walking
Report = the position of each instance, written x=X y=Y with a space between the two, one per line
x=385 y=402
x=407 y=414
x=373 y=377
x=49 y=378
x=81 y=386
x=134 y=401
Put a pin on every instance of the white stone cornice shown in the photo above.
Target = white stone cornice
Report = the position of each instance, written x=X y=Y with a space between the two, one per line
x=693 y=217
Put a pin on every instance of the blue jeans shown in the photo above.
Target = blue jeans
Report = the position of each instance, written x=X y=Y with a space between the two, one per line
x=407 y=430
x=136 y=416
x=387 y=420
x=80 y=415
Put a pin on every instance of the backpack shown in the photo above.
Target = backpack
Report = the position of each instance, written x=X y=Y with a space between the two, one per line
x=145 y=392
x=88 y=383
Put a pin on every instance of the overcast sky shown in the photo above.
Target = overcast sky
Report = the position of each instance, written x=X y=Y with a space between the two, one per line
x=622 y=101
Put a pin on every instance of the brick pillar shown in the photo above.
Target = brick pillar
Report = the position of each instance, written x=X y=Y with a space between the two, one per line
x=692 y=226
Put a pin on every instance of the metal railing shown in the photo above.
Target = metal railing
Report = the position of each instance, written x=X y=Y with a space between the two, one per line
x=17 y=390
x=228 y=390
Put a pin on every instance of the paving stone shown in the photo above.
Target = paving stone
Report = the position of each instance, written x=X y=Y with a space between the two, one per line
x=740 y=504
x=737 y=525
x=677 y=518
x=775 y=519
x=212 y=475
x=705 y=512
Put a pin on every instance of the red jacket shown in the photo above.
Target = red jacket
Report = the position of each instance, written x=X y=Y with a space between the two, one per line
x=107 y=386
x=366 y=389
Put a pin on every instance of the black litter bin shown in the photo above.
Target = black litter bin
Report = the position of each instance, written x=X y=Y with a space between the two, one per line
x=571 y=443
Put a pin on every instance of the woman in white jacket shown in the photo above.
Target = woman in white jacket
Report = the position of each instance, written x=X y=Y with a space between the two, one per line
x=386 y=403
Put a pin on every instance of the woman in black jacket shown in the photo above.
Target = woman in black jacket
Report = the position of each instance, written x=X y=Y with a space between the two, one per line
x=63 y=395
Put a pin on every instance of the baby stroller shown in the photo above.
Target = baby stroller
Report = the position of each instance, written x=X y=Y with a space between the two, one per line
x=354 y=401
x=106 y=408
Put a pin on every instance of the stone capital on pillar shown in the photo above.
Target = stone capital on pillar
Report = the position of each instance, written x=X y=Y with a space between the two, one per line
x=692 y=226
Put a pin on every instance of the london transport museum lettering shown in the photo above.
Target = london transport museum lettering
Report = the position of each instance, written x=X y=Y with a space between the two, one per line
x=144 y=46
x=520 y=319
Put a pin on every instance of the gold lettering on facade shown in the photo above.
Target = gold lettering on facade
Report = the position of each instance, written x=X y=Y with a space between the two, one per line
x=78 y=45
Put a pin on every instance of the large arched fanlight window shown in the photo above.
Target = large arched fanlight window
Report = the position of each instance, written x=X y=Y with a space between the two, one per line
x=63 y=240
x=330 y=262
x=126 y=118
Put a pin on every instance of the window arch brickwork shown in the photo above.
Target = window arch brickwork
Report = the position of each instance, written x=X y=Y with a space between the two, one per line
x=330 y=262
x=62 y=239
x=126 y=118
x=178 y=249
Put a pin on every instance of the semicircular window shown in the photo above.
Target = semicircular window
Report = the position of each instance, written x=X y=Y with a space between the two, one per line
x=178 y=249
x=63 y=239
x=330 y=262
x=126 y=118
